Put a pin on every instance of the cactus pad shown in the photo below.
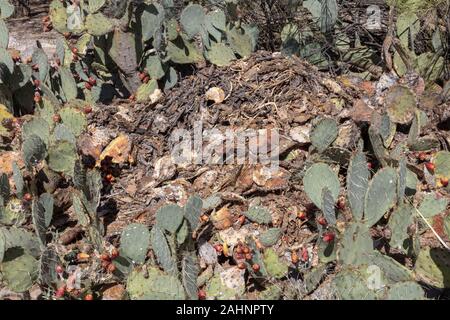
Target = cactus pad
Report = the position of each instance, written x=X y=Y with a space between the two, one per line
x=409 y=290
x=432 y=205
x=169 y=218
x=259 y=214
x=442 y=162
x=381 y=195
x=355 y=245
x=400 y=104
x=357 y=184
x=162 y=250
x=134 y=242
x=270 y=237
x=323 y=133
x=274 y=266
x=19 y=270
x=317 y=177
x=432 y=267
x=399 y=222
x=156 y=286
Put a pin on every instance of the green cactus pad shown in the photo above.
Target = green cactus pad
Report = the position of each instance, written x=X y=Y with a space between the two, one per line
x=387 y=130
x=95 y=5
x=216 y=289
x=409 y=290
x=134 y=242
x=40 y=58
x=5 y=58
x=400 y=104
x=19 y=270
x=5 y=188
x=63 y=133
x=357 y=184
x=98 y=25
x=328 y=206
x=58 y=16
x=313 y=277
x=356 y=244
x=34 y=150
x=399 y=222
x=240 y=42
x=68 y=84
x=156 y=285
x=432 y=205
x=14 y=213
x=352 y=285
x=323 y=133
x=270 y=237
x=169 y=218
x=274 y=266
x=272 y=292
x=183 y=51
x=38 y=127
x=15 y=237
x=381 y=195
x=154 y=67
x=38 y=215
x=259 y=215
x=317 y=177
x=193 y=210
x=61 y=157
x=6 y=9
x=393 y=271
x=432 y=267
x=192 y=20
x=153 y=16
x=220 y=54
x=145 y=90
x=378 y=146
x=190 y=270
x=401 y=183
x=162 y=250
x=74 y=120
x=442 y=162
x=47 y=267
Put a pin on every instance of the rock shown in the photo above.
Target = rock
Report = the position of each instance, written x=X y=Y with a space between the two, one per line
x=35 y=292
x=215 y=94
x=119 y=150
x=222 y=219
x=234 y=279
x=116 y=292
x=300 y=134
x=207 y=253
x=156 y=96
x=165 y=169
x=232 y=237
x=361 y=112
x=205 y=180
x=271 y=178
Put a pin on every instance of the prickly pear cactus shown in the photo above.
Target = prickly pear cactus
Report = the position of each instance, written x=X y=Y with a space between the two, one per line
x=409 y=290
x=19 y=270
x=399 y=223
x=169 y=218
x=352 y=285
x=432 y=205
x=155 y=285
x=381 y=195
x=162 y=250
x=323 y=133
x=442 y=162
x=357 y=184
x=355 y=245
x=270 y=237
x=316 y=178
x=400 y=104
x=432 y=267
x=274 y=266
x=259 y=215
x=134 y=242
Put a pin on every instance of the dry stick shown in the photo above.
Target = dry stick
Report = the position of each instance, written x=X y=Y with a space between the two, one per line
x=430 y=226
